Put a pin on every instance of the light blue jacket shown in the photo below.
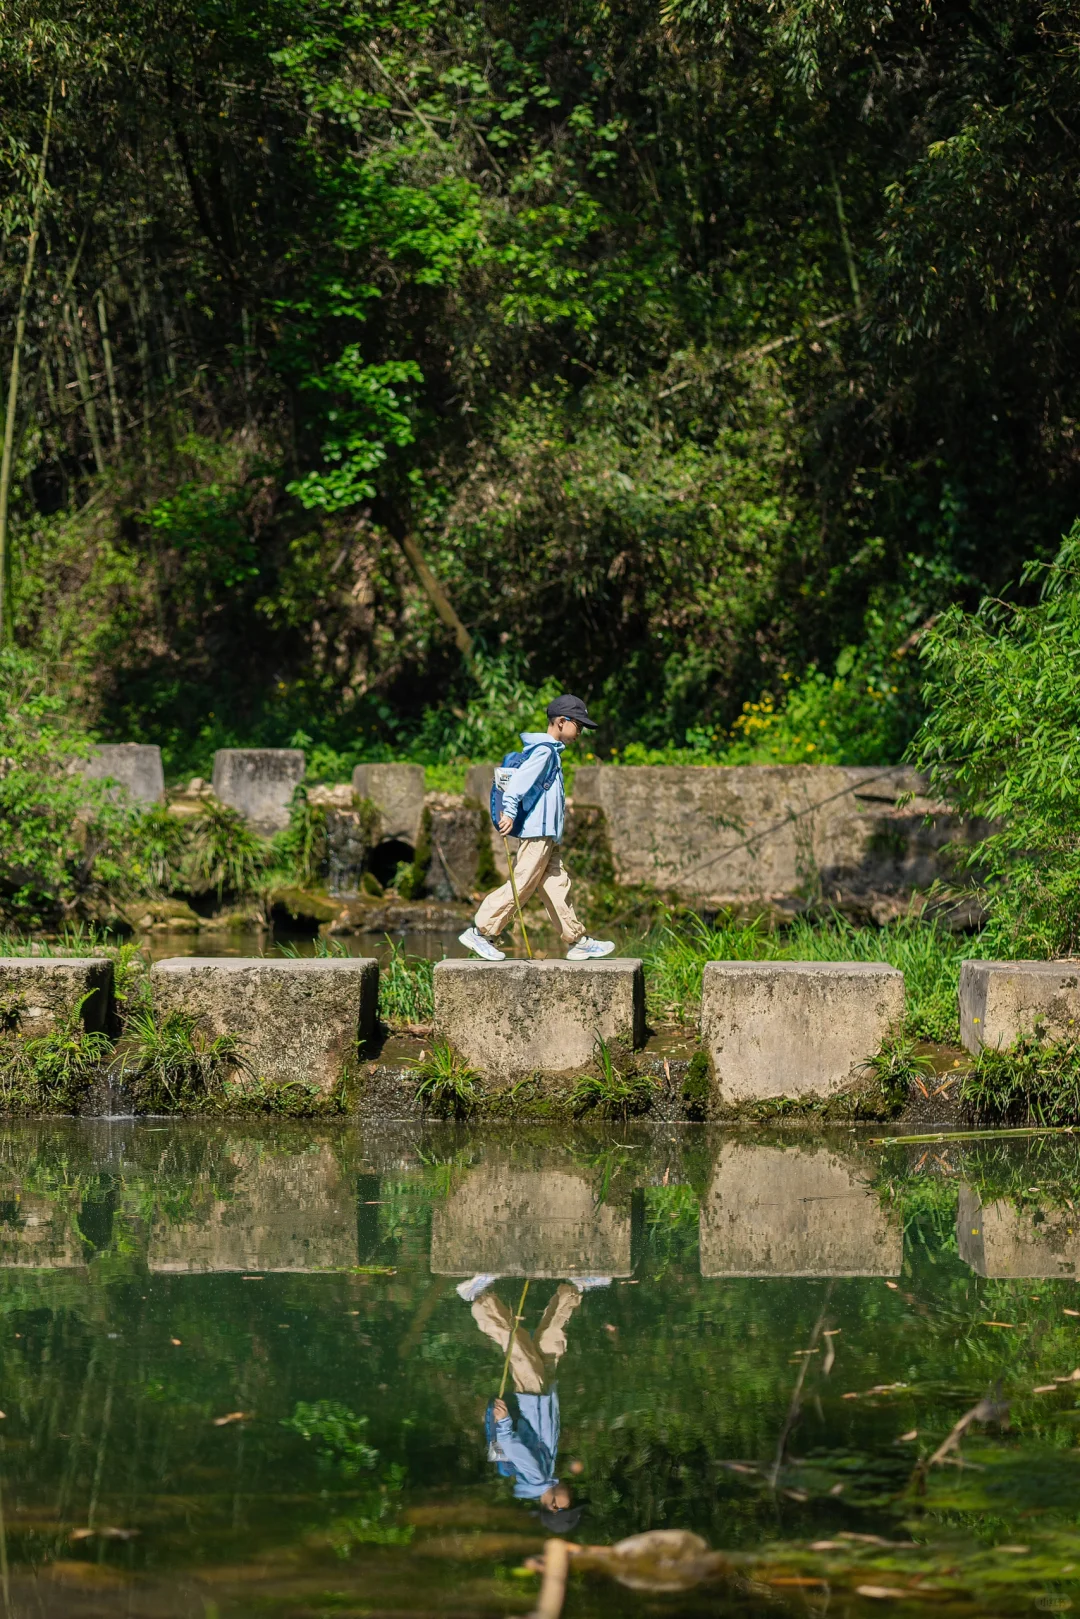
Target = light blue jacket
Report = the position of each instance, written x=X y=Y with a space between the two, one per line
x=545 y=820
x=525 y=1450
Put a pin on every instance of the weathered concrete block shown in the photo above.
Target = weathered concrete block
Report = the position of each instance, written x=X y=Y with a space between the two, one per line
x=795 y=1028
x=298 y=1020
x=36 y=1232
x=771 y=1211
x=478 y=780
x=1002 y=1000
x=997 y=1239
x=456 y=829
x=397 y=791
x=259 y=783
x=541 y=1223
x=732 y=834
x=520 y=1017
x=283 y=1213
x=42 y=990
x=134 y=766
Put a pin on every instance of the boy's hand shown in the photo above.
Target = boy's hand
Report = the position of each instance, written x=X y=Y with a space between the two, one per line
x=500 y=1410
x=506 y=826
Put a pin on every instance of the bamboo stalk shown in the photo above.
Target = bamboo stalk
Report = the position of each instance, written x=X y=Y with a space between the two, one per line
x=73 y=326
x=16 y=353
x=110 y=372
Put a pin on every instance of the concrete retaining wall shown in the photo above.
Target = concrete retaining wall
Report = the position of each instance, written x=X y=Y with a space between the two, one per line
x=134 y=766
x=800 y=1212
x=511 y=1018
x=259 y=783
x=729 y=835
x=542 y=1223
x=43 y=990
x=1002 y=1000
x=795 y=1028
x=997 y=1239
x=298 y=1020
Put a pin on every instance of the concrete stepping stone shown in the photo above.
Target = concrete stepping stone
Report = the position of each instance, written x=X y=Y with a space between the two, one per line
x=397 y=791
x=134 y=766
x=259 y=784
x=510 y=1018
x=1002 y=1000
x=298 y=1020
x=772 y=1211
x=795 y=1028
x=506 y=1221
x=44 y=990
x=998 y=1239
x=291 y=1212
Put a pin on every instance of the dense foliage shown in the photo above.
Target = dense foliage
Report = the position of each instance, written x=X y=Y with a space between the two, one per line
x=684 y=353
x=1002 y=740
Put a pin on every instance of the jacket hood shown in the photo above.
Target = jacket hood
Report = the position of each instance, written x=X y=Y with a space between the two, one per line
x=531 y=737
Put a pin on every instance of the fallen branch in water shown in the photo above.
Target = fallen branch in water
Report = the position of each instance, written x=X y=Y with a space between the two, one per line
x=973 y=1135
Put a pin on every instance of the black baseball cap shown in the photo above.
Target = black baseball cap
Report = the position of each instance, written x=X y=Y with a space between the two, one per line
x=570 y=708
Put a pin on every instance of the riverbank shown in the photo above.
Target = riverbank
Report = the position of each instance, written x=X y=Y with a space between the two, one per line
x=921 y=1077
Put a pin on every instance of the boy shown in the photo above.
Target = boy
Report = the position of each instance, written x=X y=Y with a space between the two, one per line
x=538 y=863
x=526 y=1448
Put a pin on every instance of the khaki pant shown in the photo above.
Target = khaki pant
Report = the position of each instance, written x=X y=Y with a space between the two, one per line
x=537 y=865
x=528 y=1354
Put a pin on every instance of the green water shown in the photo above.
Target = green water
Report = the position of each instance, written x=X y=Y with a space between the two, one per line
x=302 y=1282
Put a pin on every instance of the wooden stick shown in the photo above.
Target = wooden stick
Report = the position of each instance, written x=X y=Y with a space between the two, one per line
x=513 y=1331
x=517 y=901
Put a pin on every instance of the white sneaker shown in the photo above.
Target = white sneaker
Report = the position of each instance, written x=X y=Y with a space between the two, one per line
x=585 y=1284
x=588 y=949
x=473 y=1288
x=474 y=941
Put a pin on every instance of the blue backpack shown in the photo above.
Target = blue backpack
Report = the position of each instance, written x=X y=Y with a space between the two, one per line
x=528 y=799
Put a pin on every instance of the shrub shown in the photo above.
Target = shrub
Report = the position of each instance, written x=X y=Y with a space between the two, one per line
x=1002 y=741
x=63 y=840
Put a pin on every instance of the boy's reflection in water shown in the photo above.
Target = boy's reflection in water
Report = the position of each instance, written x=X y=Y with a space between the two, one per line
x=525 y=1448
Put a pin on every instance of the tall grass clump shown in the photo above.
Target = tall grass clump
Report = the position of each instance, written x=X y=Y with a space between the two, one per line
x=925 y=951
x=615 y=1089
x=52 y=1072
x=224 y=854
x=445 y=1081
x=175 y=1065
x=406 y=989
x=1030 y=1083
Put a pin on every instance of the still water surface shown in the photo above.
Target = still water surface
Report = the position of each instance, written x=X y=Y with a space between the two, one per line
x=237 y=1376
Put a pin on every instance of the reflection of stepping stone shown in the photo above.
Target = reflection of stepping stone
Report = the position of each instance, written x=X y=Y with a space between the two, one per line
x=529 y=1223
x=800 y=1212
x=295 y=1213
x=999 y=1240
x=36 y=1233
